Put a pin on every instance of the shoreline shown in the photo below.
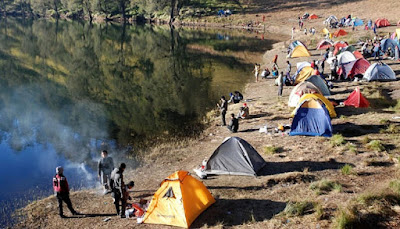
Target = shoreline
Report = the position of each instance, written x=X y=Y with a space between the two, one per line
x=266 y=107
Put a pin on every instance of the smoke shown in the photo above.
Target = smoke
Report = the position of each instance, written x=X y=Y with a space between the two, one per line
x=56 y=128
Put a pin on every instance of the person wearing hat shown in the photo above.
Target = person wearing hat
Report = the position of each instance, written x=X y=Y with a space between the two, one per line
x=118 y=188
x=61 y=190
x=244 y=112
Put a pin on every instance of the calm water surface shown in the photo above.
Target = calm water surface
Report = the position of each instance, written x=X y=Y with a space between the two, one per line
x=68 y=90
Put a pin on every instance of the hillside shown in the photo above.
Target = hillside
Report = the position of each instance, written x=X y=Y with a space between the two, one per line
x=304 y=184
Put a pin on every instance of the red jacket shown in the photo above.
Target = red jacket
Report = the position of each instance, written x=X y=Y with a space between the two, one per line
x=60 y=184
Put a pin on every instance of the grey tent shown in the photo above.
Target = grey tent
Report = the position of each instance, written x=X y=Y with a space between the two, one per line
x=235 y=156
x=379 y=72
x=320 y=83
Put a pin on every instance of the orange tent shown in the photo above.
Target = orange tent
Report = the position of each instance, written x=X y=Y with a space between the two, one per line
x=382 y=22
x=358 y=55
x=339 y=33
x=313 y=16
x=179 y=201
x=356 y=99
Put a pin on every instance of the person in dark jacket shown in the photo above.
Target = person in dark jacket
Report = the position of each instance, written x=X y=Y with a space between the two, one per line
x=223 y=107
x=118 y=188
x=61 y=190
x=234 y=124
x=105 y=167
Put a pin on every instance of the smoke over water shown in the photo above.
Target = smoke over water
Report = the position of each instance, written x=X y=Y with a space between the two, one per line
x=40 y=130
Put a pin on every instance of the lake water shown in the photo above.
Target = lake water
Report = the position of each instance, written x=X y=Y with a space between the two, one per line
x=70 y=89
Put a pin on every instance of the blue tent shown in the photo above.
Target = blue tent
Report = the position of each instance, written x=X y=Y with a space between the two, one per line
x=388 y=43
x=311 y=119
x=358 y=22
x=320 y=83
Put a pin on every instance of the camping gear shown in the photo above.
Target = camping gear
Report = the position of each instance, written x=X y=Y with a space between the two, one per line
x=379 y=72
x=345 y=57
x=311 y=119
x=354 y=68
x=303 y=74
x=356 y=99
x=320 y=83
x=338 y=45
x=382 y=22
x=388 y=43
x=313 y=16
x=358 y=22
x=299 y=51
x=339 y=33
x=235 y=156
x=299 y=90
x=324 y=44
x=322 y=100
x=331 y=21
x=179 y=201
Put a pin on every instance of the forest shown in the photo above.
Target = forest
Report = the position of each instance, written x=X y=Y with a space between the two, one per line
x=122 y=10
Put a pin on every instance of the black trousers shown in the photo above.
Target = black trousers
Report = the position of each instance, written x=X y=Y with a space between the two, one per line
x=117 y=199
x=64 y=197
x=223 y=113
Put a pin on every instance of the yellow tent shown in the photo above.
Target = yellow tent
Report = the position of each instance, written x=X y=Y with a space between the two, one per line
x=300 y=51
x=325 y=31
x=179 y=200
x=306 y=72
x=321 y=98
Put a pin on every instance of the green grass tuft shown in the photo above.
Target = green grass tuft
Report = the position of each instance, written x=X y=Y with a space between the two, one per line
x=347 y=169
x=269 y=150
x=325 y=186
x=298 y=208
x=395 y=186
x=337 y=140
x=346 y=219
x=376 y=145
x=351 y=148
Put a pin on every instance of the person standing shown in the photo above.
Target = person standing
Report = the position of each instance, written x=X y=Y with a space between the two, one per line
x=288 y=69
x=333 y=66
x=61 y=190
x=118 y=188
x=280 y=84
x=256 y=70
x=234 y=124
x=293 y=32
x=105 y=167
x=223 y=107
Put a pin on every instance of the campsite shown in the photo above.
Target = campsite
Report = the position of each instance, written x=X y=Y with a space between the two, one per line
x=344 y=173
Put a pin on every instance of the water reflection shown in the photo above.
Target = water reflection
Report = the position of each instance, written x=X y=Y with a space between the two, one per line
x=69 y=89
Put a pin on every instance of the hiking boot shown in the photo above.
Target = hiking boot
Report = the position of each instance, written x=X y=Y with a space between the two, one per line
x=77 y=213
x=123 y=216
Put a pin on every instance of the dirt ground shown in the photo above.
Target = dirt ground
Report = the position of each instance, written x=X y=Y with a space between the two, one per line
x=259 y=202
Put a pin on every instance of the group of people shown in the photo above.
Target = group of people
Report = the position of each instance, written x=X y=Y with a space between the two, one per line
x=243 y=113
x=112 y=180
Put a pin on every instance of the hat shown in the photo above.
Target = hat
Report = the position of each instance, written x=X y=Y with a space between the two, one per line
x=59 y=170
x=245 y=104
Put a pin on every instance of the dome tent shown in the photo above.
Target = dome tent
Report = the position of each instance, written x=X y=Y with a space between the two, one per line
x=379 y=72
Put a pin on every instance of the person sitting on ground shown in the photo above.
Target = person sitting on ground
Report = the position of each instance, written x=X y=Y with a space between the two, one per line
x=265 y=73
x=274 y=72
x=236 y=97
x=244 y=112
x=234 y=124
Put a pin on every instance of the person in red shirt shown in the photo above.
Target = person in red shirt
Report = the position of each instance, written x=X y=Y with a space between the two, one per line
x=61 y=191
